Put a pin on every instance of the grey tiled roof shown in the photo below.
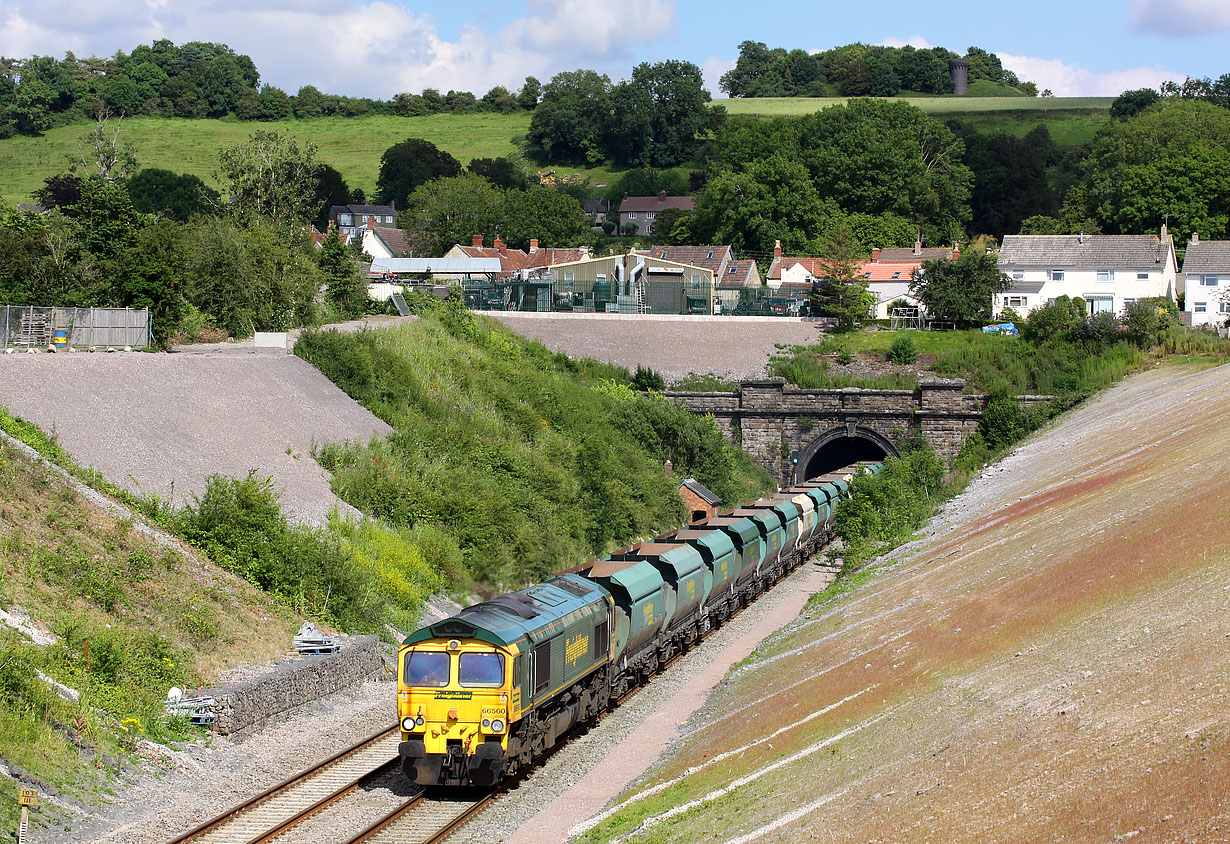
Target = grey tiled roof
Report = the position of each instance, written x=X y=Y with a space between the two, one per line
x=656 y=203
x=907 y=255
x=1091 y=251
x=705 y=494
x=1207 y=256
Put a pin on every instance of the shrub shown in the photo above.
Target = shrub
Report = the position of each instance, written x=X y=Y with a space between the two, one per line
x=903 y=350
x=646 y=379
x=1003 y=421
x=1147 y=321
x=1054 y=319
x=844 y=356
x=883 y=510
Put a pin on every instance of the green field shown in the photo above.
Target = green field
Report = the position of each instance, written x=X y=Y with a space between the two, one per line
x=351 y=144
x=783 y=106
x=354 y=144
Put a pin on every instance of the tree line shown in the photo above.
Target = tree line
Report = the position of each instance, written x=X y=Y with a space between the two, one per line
x=857 y=70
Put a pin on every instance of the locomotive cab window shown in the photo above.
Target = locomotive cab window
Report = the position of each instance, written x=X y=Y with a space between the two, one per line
x=482 y=669
x=426 y=668
x=542 y=667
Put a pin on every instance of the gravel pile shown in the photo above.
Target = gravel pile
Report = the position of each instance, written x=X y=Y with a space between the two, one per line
x=734 y=348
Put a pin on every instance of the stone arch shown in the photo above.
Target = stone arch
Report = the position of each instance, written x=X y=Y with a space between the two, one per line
x=839 y=447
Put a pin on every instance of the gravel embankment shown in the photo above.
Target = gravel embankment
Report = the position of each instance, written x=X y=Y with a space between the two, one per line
x=160 y=423
x=734 y=348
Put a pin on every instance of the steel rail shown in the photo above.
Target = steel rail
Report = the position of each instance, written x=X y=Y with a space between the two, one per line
x=239 y=811
x=405 y=826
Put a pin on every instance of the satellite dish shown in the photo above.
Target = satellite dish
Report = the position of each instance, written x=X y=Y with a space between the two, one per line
x=175 y=695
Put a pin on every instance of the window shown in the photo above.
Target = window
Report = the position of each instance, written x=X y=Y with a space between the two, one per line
x=1200 y=307
x=426 y=668
x=1142 y=275
x=1106 y=275
x=1208 y=281
x=365 y=218
x=1101 y=305
x=1055 y=275
x=631 y=215
x=344 y=220
x=1018 y=275
x=568 y=277
x=481 y=669
x=1016 y=301
x=1128 y=302
x=1224 y=307
x=389 y=218
x=648 y=215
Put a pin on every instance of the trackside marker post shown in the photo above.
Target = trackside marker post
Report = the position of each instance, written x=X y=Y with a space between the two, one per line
x=26 y=797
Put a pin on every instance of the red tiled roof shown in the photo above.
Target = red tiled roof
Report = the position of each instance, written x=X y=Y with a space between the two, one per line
x=656 y=203
x=549 y=257
x=871 y=270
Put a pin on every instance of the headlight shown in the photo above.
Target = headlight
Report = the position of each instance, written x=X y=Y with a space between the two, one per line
x=486 y=722
x=497 y=726
x=407 y=724
x=419 y=720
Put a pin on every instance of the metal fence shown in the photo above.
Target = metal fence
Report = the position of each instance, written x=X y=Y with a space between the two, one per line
x=26 y=326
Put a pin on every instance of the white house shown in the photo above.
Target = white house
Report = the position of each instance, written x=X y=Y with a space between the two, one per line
x=1207 y=268
x=1108 y=271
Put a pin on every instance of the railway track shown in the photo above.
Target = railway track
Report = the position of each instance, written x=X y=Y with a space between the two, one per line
x=422 y=820
x=292 y=801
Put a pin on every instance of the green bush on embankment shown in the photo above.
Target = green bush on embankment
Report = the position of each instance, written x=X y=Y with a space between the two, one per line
x=533 y=462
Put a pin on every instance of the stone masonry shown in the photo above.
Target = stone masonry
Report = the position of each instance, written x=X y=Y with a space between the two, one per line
x=770 y=420
x=292 y=683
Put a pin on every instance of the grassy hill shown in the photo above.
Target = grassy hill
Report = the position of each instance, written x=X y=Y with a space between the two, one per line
x=131 y=618
x=1070 y=120
x=354 y=144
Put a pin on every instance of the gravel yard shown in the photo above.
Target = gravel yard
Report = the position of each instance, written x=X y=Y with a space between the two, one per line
x=160 y=423
x=734 y=348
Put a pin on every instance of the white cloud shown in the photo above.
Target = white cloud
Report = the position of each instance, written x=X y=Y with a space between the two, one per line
x=713 y=68
x=1068 y=80
x=358 y=47
x=1180 y=17
x=915 y=41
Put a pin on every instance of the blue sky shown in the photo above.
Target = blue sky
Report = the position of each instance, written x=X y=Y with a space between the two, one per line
x=379 y=47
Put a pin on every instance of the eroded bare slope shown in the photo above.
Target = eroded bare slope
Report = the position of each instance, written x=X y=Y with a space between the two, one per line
x=1051 y=663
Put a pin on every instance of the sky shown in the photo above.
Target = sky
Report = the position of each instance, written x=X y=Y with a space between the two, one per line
x=376 y=48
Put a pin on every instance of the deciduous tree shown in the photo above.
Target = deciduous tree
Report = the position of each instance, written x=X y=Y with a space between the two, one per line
x=407 y=165
x=961 y=291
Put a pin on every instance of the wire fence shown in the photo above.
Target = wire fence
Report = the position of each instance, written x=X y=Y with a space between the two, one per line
x=27 y=326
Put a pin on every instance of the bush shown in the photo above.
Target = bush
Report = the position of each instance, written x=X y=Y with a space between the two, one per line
x=646 y=379
x=1002 y=422
x=844 y=356
x=1146 y=322
x=883 y=510
x=1054 y=319
x=903 y=350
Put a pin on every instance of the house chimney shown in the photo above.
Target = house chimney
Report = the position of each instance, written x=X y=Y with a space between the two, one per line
x=777 y=249
x=661 y=196
x=956 y=250
x=497 y=244
x=1080 y=238
x=875 y=255
x=584 y=252
x=1165 y=233
x=918 y=246
x=533 y=245
x=1195 y=237
x=476 y=240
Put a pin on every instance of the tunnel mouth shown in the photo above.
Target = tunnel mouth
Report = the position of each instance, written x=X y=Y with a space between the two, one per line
x=836 y=449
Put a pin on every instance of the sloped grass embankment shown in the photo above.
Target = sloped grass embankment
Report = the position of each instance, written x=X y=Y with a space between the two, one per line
x=531 y=461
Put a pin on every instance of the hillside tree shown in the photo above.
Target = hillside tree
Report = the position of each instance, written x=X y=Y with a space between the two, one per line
x=841 y=291
x=270 y=176
x=407 y=165
x=961 y=291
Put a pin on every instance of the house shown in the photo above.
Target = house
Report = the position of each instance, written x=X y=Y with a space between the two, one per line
x=385 y=242
x=352 y=219
x=640 y=211
x=888 y=273
x=633 y=283
x=738 y=276
x=1206 y=267
x=1108 y=271
x=596 y=209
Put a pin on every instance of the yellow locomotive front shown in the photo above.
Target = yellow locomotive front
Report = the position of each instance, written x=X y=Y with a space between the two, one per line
x=454 y=701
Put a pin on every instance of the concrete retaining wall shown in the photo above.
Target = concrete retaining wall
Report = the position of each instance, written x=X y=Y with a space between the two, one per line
x=293 y=682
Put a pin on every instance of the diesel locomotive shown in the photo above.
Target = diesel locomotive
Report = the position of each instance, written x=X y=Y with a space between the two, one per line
x=482 y=695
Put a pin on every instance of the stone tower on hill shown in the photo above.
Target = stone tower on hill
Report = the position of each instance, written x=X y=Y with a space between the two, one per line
x=959 y=68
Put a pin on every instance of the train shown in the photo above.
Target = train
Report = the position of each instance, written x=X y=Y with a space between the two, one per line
x=483 y=695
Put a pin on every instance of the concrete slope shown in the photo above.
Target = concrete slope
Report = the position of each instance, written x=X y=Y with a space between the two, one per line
x=160 y=423
x=1052 y=663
